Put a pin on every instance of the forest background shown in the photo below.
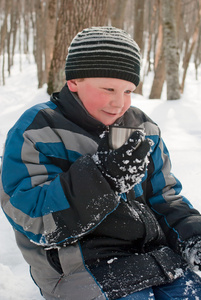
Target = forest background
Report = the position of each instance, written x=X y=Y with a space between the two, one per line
x=34 y=39
x=167 y=31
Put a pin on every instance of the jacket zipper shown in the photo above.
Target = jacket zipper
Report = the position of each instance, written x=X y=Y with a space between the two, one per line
x=57 y=283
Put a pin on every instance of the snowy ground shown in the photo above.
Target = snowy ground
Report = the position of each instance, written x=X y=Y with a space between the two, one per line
x=180 y=122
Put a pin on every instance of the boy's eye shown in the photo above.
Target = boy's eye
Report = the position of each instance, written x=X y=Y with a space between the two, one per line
x=128 y=92
x=109 y=89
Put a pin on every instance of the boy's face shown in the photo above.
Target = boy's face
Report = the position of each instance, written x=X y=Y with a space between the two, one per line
x=106 y=99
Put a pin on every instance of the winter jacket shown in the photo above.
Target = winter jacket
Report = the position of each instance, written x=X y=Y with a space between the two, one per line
x=81 y=240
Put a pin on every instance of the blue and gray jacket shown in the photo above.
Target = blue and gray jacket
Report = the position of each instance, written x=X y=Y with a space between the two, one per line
x=68 y=221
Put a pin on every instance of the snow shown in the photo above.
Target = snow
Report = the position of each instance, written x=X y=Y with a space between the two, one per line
x=180 y=123
x=110 y=261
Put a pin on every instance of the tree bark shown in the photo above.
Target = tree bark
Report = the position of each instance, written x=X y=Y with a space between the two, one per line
x=149 y=26
x=4 y=37
x=159 y=79
x=39 y=41
x=170 y=49
x=50 y=30
x=117 y=12
x=139 y=23
x=139 y=33
x=74 y=16
x=159 y=62
x=189 y=53
x=197 y=59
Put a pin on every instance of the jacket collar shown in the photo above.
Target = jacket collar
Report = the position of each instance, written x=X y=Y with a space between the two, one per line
x=73 y=109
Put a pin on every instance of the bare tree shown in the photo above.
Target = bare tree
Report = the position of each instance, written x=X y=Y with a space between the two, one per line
x=3 y=35
x=39 y=40
x=53 y=23
x=74 y=15
x=149 y=26
x=197 y=59
x=139 y=32
x=159 y=62
x=117 y=12
x=26 y=19
x=190 y=48
x=139 y=23
x=51 y=10
x=171 y=51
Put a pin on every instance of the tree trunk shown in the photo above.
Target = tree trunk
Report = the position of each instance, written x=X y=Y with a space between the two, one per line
x=159 y=79
x=150 y=23
x=189 y=53
x=50 y=29
x=74 y=16
x=170 y=49
x=4 y=38
x=15 y=28
x=117 y=12
x=3 y=68
x=26 y=26
x=159 y=61
x=139 y=24
x=138 y=33
x=197 y=59
x=39 y=41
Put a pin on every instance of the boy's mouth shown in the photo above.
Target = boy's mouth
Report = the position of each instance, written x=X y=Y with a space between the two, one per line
x=111 y=113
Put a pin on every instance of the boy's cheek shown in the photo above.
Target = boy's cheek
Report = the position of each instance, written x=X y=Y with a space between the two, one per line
x=127 y=104
x=100 y=103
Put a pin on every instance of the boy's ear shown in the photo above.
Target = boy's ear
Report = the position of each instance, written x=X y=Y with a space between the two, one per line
x=72 y=85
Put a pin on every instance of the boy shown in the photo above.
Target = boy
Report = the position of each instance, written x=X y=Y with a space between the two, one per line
x=95 y=222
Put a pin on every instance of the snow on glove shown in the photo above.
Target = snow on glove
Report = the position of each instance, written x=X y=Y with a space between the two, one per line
x=191 y=251
x=123 y=167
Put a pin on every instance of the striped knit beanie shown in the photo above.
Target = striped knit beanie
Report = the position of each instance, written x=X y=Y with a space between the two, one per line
x=103 y=52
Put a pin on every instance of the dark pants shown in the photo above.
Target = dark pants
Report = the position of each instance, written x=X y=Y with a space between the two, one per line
x=187 y=287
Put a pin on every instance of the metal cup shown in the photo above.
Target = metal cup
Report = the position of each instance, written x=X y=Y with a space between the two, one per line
x=119 y=135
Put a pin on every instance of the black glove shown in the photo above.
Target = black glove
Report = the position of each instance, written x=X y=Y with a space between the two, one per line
x=191 y=252
x=125 y=166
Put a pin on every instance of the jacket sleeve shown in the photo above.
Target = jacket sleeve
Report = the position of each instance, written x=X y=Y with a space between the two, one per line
x=176 y=215
x=48 y=205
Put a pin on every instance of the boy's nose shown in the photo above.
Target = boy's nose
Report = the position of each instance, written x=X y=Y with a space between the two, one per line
x=118 y=101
